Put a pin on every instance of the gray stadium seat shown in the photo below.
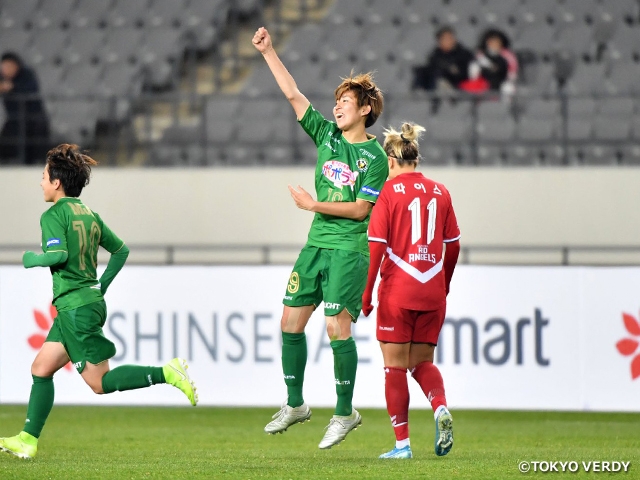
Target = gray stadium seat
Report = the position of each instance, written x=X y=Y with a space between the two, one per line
x=539 y=38
x=631 y=154
x=599 y=155
x=279 y=155
x=535 y=11
x=161 y=50
x=501 y=130
x=127 y=13
x=14 y=40
x=342 y=44
x=576 y=11
x=494 y=110
x=90 y=13
x=488 y=154
x=49 y=77
x=577 y=39
x=635 y=127
x=305 y=42
x=415 y=44
x=380 y=43
x=243 y=155
x=579 y=129
x=203 y=19
x=460 y=109
x=348 y=13
x=47 y=46
x=623 y=107
x=384 y=11
x=541 y=108
x=540 y=80
x=81 y=80
x=613 y=129
x=627 y=10
x=122 y=45
x=586 y=79
x=468 y=34
x=554 y=154
x=84 y=45
x=498 y=13
x=581 y=107
x=165 y=13
x=73 y=121
x=53 y=14
x=436 y=155
x=536 y=130
x=624 y=44
x=449 y=130
x=306 y=76
x=424 y=12
x=623 y=79
x=15 y=14
x=522 y=155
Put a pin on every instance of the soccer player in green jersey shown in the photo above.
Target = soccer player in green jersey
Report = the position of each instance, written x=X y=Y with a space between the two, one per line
x=332 y=267
x=71 y=235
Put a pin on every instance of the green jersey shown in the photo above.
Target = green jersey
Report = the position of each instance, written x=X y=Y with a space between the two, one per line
x=71 y=227
x=345 y=172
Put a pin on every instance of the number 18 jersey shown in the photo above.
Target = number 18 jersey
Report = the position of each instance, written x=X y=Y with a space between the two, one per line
x=415 y=218
x=70 y=226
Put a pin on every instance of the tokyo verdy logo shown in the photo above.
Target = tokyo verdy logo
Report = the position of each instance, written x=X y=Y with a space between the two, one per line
x=44 y=322
x=629 y=346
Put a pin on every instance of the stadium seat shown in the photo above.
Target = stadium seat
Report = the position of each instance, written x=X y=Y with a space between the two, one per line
x=342 y=44
x=379 y=44
x=495 y=131
x=279 y=155
x=623 y=79
x=304 y=43
x=631 y=154
x=622 y=107
x=535 y=11
x=122 y=45
x=489 y=154
x=436 y=155
x=348 y=13
x=586 y=79
x=522 y=155
x=498 y=13
x=599 y=155
x=90 y=13
x=635 y=127
x=243 y=155
x=536 y=129
x=539 y=38
x=160 y=53
x=17 y=14
x=449 y=130
x=625 y=43
x=614 y=129
x=576 y=11
x=554 y=154
x=54 y=14
x=48 y=45
x=579 y=129
x=14 y=40
x=384 y=12
x=415 y=45
x=494 y=110
x=581 y=108
x=577 y=39
x=127 y=13
x=84 y=46
x=73 y=121
x=540 y=108
x=81 y=80
x=423 y=12
x=165 y=13
x=541 y=80
x=621 y=10
x=203 y=20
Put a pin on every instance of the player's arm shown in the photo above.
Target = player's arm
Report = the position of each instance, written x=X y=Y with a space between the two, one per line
x=357 y=210
x=54 y=244
x=119 y=254
x=262 y=42
x=49 y=259
x=452 y=250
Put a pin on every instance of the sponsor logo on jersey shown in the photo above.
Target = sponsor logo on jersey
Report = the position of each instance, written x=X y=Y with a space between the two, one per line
x=288 y=297
x=362 y=164
x=367 y=153
x=331 y=306
x=386 y=329
x=339 y=173
x=53 y=241
x=370 y=191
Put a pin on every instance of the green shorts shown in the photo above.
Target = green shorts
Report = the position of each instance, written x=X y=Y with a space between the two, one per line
x=337 y=277
x=80 y=332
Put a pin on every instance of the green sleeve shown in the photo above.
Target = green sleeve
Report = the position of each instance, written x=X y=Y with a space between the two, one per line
x=119 y=253
x=315 y=125
x=54 y=232
x=49 y=259
x=374 y=179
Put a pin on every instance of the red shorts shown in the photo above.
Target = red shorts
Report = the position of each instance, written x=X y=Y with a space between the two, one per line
x=399 y=325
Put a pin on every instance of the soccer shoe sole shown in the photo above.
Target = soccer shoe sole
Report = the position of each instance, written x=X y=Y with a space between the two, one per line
x=24 y=456
x=443 y=424
x=354 y=427
x=183 y=372
x=301 y=420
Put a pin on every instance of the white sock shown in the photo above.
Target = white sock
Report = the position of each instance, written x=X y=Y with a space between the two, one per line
x=441 y=408
x=403 y=443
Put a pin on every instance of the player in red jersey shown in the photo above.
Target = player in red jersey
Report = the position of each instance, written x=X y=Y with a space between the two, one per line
x=413 y=226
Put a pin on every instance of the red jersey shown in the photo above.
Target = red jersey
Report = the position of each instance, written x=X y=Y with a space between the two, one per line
x=415 y=218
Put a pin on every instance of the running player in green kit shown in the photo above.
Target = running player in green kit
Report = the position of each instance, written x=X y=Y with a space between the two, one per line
x=71 y=235
x=332 y=267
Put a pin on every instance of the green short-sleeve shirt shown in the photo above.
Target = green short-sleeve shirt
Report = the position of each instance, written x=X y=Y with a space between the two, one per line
x=344 y=172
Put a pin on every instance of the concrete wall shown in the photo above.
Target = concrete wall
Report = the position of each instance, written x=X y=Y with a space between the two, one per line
x=576 y=206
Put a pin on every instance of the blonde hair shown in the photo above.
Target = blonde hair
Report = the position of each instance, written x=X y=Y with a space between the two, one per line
x=403 y=145
x=366 y=92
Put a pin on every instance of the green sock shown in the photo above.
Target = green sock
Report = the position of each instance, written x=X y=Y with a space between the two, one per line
x=294 y=361
x=40 y=405
x=345 y=364
x=131 y=377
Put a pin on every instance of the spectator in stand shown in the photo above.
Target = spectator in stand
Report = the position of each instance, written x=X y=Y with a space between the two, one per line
x=25 y=134
x=447 y=66
x=495 y=67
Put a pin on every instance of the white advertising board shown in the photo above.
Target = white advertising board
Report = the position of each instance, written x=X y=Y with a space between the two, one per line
x=515 y=338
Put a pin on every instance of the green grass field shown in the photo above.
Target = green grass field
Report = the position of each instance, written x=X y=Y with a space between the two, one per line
x=173 y=443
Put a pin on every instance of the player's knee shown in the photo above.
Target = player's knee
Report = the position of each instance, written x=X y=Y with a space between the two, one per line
x=97 y=388
x=40 y=369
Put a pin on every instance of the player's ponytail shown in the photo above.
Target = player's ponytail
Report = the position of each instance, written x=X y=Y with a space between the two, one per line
x=403 y=145
x=72 y=167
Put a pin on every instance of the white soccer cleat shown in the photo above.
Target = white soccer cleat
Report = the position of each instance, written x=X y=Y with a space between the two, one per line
x=286 y=417
x=339 y=427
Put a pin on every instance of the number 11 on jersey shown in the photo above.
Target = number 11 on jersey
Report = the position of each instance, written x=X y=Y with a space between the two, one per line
x=416 y=220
